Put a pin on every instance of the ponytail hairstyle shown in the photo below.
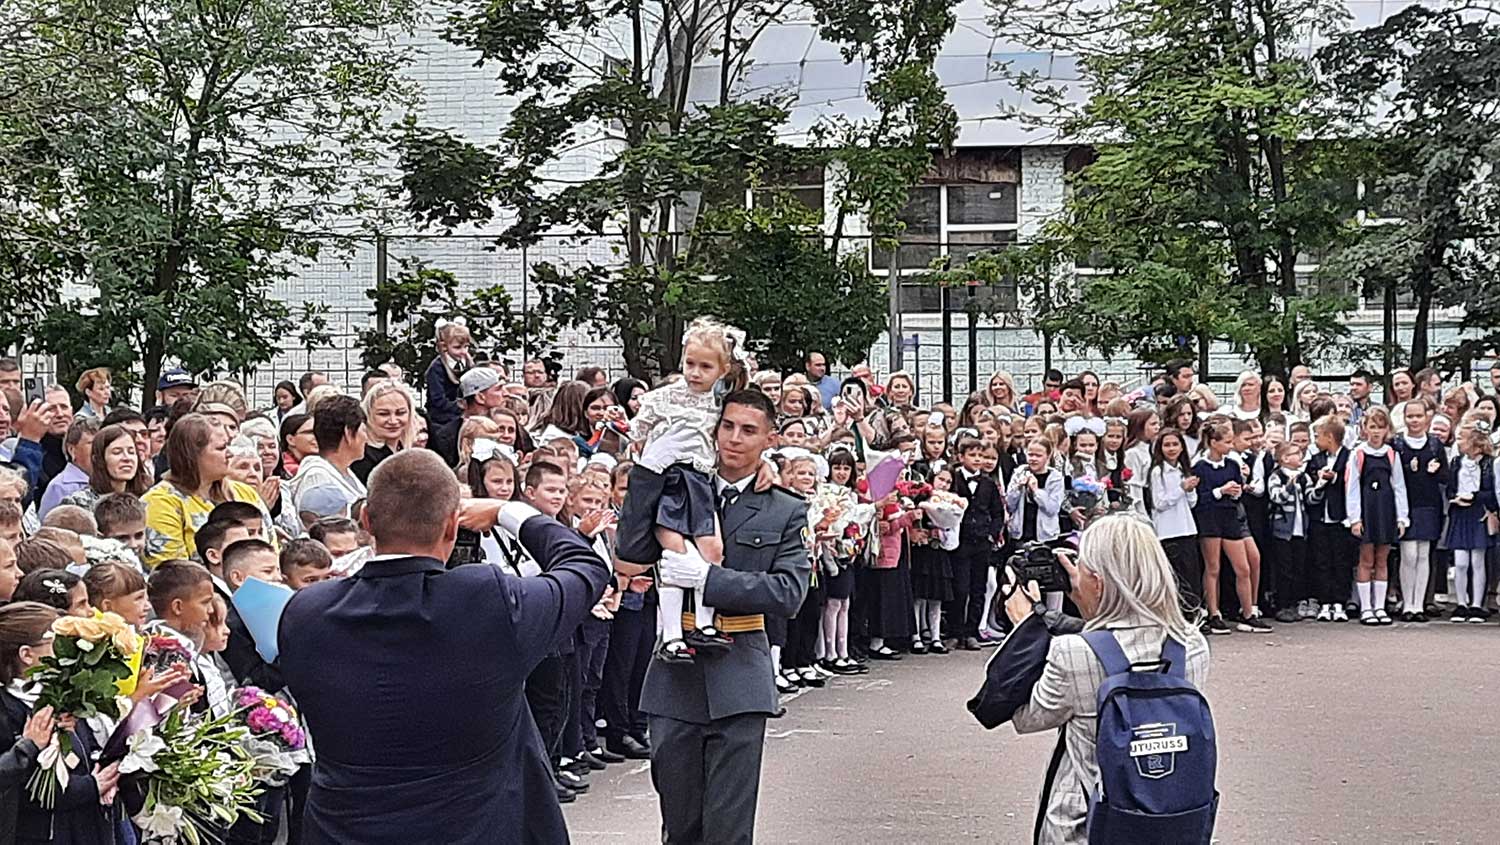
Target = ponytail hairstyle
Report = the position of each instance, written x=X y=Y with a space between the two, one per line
x=23 y=624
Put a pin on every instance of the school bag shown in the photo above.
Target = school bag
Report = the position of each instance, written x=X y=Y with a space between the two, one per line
x=1156 y=749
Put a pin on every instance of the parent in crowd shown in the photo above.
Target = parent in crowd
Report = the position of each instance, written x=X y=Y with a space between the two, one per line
x=465 y=764
x=114 y=467
x=97 y=390
x=197 y=480
x=79 y=444
x=708 y=717
x=324 y=484
x=479 y=390
x=827 y=386
x=389 y=411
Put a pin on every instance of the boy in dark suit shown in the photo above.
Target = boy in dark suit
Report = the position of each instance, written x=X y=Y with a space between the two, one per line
x=983 y=521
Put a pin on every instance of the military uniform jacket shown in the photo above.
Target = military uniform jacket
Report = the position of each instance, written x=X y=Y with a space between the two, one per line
x=765 y=571
x=411 y=678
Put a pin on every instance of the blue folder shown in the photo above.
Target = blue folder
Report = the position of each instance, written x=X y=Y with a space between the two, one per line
x=260 y=604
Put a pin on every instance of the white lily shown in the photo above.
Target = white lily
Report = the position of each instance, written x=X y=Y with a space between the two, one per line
x=143 y=746
x=163 y=821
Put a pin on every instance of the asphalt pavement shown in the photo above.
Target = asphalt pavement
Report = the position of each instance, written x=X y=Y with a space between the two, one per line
x=1328 y=733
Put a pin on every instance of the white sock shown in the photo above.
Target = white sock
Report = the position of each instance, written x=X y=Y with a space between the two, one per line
x=1479 y=579
x=877 y=643
x=776 y=658
x=1413 y=574
x=1379 y=593
x=670 y=612
x=1363 y=588
x=704 y=617
x=991 y=586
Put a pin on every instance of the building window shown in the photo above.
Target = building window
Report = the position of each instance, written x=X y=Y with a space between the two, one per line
x=805 y=187
x=948 y=225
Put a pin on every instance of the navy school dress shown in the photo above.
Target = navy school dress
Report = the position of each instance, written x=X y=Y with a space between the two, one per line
x=1219 y=517
x=1466 y=528
x=1424 y=488
x=681 y=499
x=1377 y=499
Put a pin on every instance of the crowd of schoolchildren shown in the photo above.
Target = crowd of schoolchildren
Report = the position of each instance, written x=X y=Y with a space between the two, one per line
x=1286 y=501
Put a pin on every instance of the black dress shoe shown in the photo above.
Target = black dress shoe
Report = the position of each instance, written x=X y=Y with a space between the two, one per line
x=594 y=762
x=971 y=644
x=577 y=766
x=605 y=755
x=777 y=713
x=632 y=749
x=707 y=639
x=577 y=783
x=885 y=653
x=564 y=794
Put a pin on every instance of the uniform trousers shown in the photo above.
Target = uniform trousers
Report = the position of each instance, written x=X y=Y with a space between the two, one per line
x=714 y=774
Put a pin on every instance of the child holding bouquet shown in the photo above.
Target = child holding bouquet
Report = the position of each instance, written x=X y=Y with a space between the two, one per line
x=931 y=570
x=674 y=502
x=76 y=815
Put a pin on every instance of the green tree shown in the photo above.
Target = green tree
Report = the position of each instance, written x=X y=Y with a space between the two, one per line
x=1422 y=87
x=676 y=164
x=418 y=297
x=174 y=158
x=1201 y=184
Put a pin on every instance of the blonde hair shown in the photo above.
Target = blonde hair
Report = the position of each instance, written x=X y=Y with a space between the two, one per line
x=1010 y=385
x=472 y=429
x=386 y=387
x=318 y=394
x=725 y=341
x=449 y=332
x=1137 y=581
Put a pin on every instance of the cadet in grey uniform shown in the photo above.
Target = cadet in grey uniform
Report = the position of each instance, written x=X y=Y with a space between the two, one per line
x=708 y=717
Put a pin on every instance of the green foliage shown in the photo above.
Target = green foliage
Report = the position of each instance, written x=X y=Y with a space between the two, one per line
x=676 y=172
x=787 y=291
x=416 y=298
x=160 y=155
x=1202 y=184
x=1422 y=87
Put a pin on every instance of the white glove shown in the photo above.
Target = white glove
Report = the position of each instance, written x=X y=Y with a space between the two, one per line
x=668 y=449
x=689 y=570
x=513 y=514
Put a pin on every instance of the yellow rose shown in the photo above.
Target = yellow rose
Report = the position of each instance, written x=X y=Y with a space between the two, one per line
x=126 y=641
x=73 y=626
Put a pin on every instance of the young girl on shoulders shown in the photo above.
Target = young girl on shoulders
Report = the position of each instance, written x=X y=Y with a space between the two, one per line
x=1376 y=512
x=678 y=500
x=1170 y=493
x=452 y=361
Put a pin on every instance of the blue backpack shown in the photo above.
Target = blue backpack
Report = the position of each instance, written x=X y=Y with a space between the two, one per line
x=1156 y=750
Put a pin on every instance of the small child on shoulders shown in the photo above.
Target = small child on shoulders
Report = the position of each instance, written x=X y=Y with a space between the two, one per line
x=452 y=361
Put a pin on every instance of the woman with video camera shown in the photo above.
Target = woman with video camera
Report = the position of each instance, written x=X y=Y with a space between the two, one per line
x=1046 y=676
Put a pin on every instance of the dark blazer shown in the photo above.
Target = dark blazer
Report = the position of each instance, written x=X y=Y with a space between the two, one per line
x=765 y=571
x=984 y=519
x=411 y=678
x=77 y=818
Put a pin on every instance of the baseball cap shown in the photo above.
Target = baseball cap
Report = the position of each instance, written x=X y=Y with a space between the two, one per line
x=477 y=380
x=175 y=377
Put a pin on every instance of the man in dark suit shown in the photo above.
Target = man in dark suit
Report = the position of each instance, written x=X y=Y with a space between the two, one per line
x=708 y=717
x=410 y=674
x=983 y=521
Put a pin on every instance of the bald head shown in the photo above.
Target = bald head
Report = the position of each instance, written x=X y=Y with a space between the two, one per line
x=412 y=506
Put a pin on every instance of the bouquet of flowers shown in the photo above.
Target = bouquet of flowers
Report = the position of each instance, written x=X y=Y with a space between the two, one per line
x=94 y=660
x=1118 y=495
x=944 y=509
x=199 y=776
x=275 y=740
x=1087 y=495
x=850 y=520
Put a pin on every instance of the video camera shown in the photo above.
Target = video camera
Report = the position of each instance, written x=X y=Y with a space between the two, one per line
x=1038 y=562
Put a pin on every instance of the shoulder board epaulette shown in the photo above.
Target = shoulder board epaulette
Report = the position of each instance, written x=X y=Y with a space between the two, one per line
x=790 y=492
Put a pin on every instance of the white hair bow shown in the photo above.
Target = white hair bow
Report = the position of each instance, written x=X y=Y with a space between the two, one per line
x=736 y=338
x=485 y=449
x=1074 y=425
x=937 y=419
x=444 y=322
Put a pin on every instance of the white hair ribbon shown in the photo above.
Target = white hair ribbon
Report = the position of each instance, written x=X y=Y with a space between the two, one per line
x=485 y=449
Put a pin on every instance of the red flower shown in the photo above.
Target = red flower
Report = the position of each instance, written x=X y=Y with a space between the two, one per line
x=1109 y=483
x=1125 y=474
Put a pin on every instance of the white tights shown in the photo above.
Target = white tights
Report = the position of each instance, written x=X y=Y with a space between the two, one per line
x=669 y=610
x=1468 y=564
x=836 y=629
x=1416 y=569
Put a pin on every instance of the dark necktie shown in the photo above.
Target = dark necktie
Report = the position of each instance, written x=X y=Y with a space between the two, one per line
x=727 y=497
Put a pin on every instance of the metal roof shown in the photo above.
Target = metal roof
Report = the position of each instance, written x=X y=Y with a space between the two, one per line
x=974 y=66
